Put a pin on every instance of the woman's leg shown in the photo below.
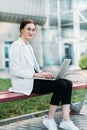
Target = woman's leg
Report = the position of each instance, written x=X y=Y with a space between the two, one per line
x=67 y=96
x=61 y=93
x=66 y=101
x=66 y=123
x=52 y=110
x=58 y=87
x=65 y=112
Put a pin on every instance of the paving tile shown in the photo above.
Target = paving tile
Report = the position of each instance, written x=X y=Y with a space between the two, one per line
x=36 y=123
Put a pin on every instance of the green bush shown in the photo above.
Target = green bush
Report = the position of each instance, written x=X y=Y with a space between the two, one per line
x=83 y=62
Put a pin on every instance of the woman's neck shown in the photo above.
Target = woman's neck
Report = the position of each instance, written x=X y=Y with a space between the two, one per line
x=25 y=40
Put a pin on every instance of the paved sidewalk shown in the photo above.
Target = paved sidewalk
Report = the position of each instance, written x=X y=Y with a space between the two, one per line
x=4 y=74
x=36 y=123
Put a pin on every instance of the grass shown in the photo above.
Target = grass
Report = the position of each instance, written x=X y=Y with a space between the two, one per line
x=11 y=109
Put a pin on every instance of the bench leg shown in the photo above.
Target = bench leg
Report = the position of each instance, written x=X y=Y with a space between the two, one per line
x=77 y=107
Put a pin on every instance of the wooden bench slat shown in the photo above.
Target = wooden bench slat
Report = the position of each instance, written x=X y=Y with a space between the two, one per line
x=79 y=85
x=3 y=92
x=10 y=96
x=6 y=96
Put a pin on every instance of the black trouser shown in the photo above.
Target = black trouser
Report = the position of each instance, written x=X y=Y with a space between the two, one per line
x=61 y=88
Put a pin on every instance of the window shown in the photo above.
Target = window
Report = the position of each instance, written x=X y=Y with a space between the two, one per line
x=6 y=53
x=7 y=64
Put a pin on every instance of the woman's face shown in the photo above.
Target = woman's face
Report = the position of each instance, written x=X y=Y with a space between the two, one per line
x=28 y=31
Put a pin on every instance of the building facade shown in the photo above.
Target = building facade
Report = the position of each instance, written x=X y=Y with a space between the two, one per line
x=11 y=14
x=61 y=29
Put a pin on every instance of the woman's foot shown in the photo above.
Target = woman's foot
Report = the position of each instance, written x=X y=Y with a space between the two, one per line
x=50 y=124
x=68 y=125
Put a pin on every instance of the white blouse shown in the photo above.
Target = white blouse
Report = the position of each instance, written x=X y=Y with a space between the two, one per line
x=30 y=55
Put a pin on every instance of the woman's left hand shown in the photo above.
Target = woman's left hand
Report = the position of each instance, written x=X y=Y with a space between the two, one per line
x=44 y=75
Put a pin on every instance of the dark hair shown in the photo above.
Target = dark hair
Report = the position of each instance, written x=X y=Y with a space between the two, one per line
x=25 y=22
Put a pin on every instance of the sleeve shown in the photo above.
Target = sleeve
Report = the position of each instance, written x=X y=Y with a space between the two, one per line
x=15 y=63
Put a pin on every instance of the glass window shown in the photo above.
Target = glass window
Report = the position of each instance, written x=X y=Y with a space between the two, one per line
x=6 y=64
x=50 y=47
x=66 y=4
x=53 y=13
x=53 y=6
x=8 y=42
x=6 y=52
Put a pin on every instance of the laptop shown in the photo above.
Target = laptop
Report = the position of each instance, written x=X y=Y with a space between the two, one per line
x=63 y=68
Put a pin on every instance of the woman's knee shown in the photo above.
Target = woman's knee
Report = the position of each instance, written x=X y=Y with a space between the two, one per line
x=60 y=84
x=69 y=83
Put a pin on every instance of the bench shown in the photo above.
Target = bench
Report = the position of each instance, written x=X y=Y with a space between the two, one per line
x=6 y=96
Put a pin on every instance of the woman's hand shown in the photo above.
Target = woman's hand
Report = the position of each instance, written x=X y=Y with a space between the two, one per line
x=44 y=75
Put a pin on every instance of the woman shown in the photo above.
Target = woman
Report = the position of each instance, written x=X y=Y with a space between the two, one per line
x=24 y=71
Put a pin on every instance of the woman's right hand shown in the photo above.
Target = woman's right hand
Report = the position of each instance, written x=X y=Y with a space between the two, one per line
x=47 y=75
